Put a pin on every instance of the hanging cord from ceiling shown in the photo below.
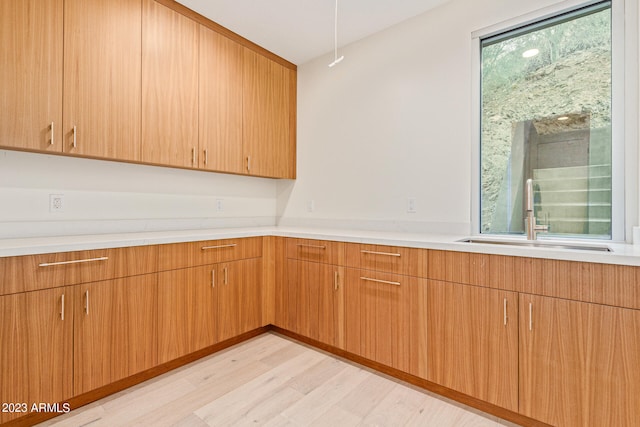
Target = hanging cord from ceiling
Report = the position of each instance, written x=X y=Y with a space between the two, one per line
x=336 y=60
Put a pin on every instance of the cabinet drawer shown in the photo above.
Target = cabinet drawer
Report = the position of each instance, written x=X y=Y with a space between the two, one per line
x=324 y=251
x=392 y=259
x=33 y=272
x=192 y=254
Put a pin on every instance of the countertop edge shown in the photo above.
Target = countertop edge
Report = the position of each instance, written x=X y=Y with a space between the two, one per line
x=623 y=254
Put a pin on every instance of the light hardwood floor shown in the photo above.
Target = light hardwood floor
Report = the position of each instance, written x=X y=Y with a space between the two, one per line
x=273 y=381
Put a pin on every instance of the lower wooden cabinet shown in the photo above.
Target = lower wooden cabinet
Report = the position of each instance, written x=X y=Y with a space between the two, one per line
x=36 y=339
x=200 y=306
x=115 y=330
x=579 y=362
x=239 y=290
x=473 y=341
x=385 y=318
x=314 y=301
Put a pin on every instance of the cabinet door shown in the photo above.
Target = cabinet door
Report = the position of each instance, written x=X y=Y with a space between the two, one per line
x=383 y=314
x=579 y=362
x=31 y=84
x=36 y=338
x=102 y=78
x=186 y=311
x=267 y=149
x=473 y=341
x=169 y=87
x=220 y=102
x=239 y=297
x=115 y=330
x=315 y=301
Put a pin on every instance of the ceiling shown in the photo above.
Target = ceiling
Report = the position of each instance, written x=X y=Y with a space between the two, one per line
x=300 y=30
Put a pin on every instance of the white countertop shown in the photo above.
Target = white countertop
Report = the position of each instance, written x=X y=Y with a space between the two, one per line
x=623 y=254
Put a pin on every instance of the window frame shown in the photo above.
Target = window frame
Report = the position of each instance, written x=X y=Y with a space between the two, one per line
x=624 y=162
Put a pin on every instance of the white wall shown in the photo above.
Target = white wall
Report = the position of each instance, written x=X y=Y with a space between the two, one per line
x=392 y=121
x=108 y=197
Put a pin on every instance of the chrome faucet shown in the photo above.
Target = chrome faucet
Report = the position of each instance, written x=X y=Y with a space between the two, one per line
x=530 y=222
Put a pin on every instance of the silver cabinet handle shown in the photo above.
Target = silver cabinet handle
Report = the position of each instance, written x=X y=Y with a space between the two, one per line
x=226 y=276
x=368 y=279
x=53 y=135
x=75 y=261
x=206 y=157
x=379 y=253
x=335 y=281
x=505 y=311
x=62 y=308
x=248 y=163
x=75 y=136
x=302 y=245
x=530 y=316
x=204 y=248
x=86 y=305
x=213 y=278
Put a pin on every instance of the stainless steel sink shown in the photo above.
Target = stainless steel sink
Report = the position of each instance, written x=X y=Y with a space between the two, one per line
x=539 y=244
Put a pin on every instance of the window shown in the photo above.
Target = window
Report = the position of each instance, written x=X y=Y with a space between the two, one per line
x=546 y=115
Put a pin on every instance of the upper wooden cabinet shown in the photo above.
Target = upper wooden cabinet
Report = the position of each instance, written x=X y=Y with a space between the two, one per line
x=102 y=69
x=31 y=84
x=220 y=108
x=169 y=87
x=269 y=141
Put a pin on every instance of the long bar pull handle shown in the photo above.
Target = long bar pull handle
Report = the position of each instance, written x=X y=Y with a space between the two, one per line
x=248 y=163
x=206 y=157
x=335 y=281
x=213 y=278
x=504 y=309
x=53 y=135
x=75 y=137
x=226 y=276
x=204 y=248
x=311 y=246
x=530 y=316
x=75 y=261
x=368 y=279
x=62 y=307
x=379 y=253
x=86 y=305
x=193 y=156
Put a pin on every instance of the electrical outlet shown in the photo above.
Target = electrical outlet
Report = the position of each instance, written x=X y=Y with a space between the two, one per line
x=56 y=203
x=219 y=205
x=311 y=205
x=411 y=205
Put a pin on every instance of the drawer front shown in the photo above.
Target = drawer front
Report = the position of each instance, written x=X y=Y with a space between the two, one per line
x=392 y=259
x=192 y=254
x=323 y=251
x=33 y=272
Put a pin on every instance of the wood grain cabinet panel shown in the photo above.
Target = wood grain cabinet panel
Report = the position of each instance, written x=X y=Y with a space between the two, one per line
x=314 y=301
x=183 y=255
x=169 y=87
x=102 y=78
x=324 y=251
x=33 y=272
x=239 y=297
x=384 y=318
x=392 y=259
x=31 y=35
x=579 y=362
x=187 y=311
x=115 y=333
x=220 y=102
x=36 y=338
x=473 y=341
x=267 y=145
